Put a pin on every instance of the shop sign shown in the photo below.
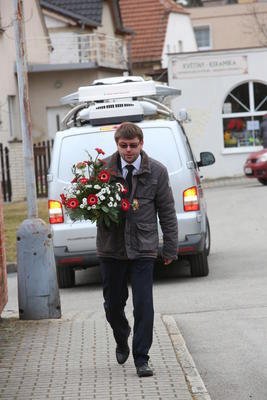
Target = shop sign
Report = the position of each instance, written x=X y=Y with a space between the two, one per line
x=194 y=67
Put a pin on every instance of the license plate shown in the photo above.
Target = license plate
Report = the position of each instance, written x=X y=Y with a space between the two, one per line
x=248 y=171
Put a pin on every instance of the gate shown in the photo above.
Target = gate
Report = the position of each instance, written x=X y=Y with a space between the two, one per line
x=5 y=173
x=42 y=157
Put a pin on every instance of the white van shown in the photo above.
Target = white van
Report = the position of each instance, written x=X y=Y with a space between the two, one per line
x=91 y=124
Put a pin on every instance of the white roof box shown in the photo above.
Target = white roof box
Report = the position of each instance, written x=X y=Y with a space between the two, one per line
x=120 y=87
x=118 y=79
x=114 y=91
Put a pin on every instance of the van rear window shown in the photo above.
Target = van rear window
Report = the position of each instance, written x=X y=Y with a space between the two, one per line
x=159 y=143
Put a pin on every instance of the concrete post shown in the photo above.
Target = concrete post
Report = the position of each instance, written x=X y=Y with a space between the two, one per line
x=38 y=294
x=3 y=277
x=37 y=281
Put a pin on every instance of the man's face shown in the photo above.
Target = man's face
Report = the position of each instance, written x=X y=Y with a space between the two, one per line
x=129 y=149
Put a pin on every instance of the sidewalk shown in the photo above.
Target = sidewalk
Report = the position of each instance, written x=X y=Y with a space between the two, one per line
x=75 y=359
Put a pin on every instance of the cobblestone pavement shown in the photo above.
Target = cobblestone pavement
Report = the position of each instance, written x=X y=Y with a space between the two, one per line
x=75 y=359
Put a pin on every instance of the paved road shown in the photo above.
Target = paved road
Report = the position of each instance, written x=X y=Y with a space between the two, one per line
x=223 y=317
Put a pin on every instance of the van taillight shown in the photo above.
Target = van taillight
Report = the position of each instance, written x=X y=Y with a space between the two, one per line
x=191 y=202
x=55 y=212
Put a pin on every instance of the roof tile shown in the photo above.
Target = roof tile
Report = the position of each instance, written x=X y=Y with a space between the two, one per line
x=148 y=19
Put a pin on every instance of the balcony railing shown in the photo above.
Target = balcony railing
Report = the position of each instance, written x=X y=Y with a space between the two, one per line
x=98 y=49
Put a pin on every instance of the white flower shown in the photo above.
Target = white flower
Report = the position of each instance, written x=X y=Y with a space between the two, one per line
x=102 y=198
x=81 y=205
x=84 y=201
x=115 y=204
x=118 y=197
x=111 y=198
x=89 y=208
x=110 y=204
x=93 y=206
x=78 y=192
x=97 y=187
x=120 y=186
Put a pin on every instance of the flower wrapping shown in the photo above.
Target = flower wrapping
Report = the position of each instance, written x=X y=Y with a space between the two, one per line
x=92 y=196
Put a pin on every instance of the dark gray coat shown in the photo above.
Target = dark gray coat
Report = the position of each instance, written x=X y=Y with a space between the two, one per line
x=263 y=132
x=137 y=235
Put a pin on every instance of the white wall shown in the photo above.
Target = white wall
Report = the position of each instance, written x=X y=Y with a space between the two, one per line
x=179 y=36
x=203 y=95
x=8 y=79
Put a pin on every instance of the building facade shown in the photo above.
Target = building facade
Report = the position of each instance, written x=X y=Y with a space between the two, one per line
x=225 y=94
x=67 y=46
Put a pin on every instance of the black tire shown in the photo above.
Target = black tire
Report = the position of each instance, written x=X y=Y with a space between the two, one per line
x=208 y=239
x=262 y=181
x=65 y=277
x=199 y=265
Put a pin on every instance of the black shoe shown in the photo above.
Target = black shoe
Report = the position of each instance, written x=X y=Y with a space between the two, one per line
x=123 y=350
x=122 y=353
x=144 y=370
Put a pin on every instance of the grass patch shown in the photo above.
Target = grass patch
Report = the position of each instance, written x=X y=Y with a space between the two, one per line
x=14 y=214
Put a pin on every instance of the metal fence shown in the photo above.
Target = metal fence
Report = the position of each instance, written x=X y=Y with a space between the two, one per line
x=5 y=173
x=42 y=158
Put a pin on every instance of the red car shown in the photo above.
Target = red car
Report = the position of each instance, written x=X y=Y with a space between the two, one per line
x=256 y=166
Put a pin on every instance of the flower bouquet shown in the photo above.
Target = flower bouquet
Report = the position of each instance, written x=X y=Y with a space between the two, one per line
x=91 y=195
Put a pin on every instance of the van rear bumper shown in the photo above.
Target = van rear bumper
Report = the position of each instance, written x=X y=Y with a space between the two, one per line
x=77 y=260
x=193 y=244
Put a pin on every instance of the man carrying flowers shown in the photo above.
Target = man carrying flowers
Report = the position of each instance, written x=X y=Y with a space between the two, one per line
x=130 y=247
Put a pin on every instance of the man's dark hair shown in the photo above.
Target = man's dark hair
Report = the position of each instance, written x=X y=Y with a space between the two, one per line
x=128 y=130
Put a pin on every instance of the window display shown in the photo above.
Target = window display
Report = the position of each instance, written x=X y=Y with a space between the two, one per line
x=243 y=111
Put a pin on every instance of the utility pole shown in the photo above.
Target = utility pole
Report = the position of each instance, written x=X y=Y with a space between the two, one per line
x=38 y=294
x=24 y=103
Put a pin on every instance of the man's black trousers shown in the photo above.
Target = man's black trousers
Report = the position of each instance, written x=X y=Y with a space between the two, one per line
x=115 y=290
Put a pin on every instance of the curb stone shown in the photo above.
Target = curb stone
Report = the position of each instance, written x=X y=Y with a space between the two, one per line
x=192 y=376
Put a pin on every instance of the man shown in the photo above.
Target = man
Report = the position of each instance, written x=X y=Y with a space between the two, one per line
x=263 y=131
x=132 y=246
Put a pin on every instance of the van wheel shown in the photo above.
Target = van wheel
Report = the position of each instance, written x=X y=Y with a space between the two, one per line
x=65 y=277
x=207 y=238
x=199 y=264
x=262 y=181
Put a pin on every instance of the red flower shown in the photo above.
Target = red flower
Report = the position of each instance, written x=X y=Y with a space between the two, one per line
x=83 y=180
x=124 y=189
x=125 y=204
x=235 y=124
x=63 y=198
x=104 y=176
x=74 y=180
x=92 y=199
x=100 y=151
x=72 y=203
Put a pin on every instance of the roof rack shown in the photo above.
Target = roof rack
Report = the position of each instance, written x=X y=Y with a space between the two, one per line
x=118 y=99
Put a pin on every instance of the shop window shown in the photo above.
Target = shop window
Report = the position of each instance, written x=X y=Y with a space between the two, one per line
x=202 y=35
x=243 y=111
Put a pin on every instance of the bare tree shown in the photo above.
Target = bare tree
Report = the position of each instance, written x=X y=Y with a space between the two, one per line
x=256 y=23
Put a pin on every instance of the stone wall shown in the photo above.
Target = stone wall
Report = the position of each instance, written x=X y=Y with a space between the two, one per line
x=3 y=276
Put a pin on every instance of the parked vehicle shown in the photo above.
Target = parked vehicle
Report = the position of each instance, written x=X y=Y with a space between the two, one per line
x=91 y=124
x=256 y=166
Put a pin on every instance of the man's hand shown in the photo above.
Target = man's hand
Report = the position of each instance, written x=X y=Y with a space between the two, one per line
x=166 y=261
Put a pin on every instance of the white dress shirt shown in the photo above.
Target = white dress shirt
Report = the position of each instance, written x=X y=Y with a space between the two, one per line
x=136 y=164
